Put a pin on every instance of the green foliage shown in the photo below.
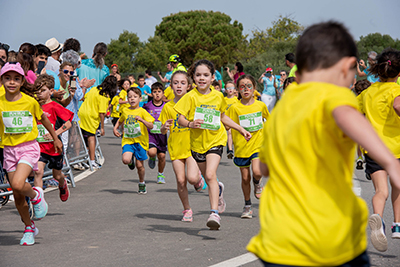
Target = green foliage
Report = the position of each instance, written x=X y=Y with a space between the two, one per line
x=200 y=34
x=375 y=42
x=153 y=55
x=123 y=50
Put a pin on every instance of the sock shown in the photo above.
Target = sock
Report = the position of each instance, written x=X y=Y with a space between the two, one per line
x=256 y=181
x=247 y=202
x=220 y=190
x=214 y=211
x=35 y=198
x=92 y=162
x=153 y=158
x=142 y=182
x=161 y=173
x=396 y=223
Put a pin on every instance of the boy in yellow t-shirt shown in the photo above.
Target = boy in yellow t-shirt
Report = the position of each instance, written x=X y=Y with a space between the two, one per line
x=309 y=214
x=135 y=141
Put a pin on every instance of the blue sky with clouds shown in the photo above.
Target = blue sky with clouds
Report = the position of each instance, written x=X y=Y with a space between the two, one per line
x=90 y=22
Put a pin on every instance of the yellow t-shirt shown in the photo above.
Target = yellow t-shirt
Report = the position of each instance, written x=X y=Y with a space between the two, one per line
x=243 y=148
x=256 y=95
x=178 y=135
x=378 y=108
x=2 y=92
x=115 y=107
x=230 y=101
x=292 y=72
x=169 y=93
x=134 y=85
x=18 y=120
x=309 y=214
x=201 y=140
x=123 y=95
x=89 y=112
x=128 y=117
x=360 y=100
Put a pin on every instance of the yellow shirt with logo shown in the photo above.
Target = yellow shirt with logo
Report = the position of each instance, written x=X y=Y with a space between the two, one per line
x=123 y=95
x=115 y=107
x=377 y=105
x=128 y=116
x=230 y=101
x=134 y=85
x=89 y=112
x=243 y=148
x=201 y=140
x=178 y=135
x=309 y=214
x=32 y=109
x=169 y=93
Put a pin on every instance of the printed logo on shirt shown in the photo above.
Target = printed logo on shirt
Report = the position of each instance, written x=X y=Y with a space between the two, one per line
x=208 y=106
x=131 y=119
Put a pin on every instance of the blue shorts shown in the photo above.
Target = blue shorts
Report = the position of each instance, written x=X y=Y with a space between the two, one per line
x=137 y=150
x=244 y=162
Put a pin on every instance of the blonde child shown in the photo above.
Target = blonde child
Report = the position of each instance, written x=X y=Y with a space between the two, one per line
x=135 y=141
x=18 y=129
x=250 y=114
x=123 y=94
x=115 y=109
x=230 y=99
x=202 y=110
x=180 y=154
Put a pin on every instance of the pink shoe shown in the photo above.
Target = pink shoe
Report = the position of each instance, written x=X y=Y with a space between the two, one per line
x=187 y=216
x=214 y=221
x=221 y=201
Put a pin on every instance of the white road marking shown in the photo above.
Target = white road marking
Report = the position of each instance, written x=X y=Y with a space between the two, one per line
x=237 y=261
x=356 y=186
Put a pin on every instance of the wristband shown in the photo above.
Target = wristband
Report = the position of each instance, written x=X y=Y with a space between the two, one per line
x=188 y=124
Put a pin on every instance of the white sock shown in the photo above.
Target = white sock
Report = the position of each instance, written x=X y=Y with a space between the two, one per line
x=93 y=162
x=396 y=223
x=160 y=173
x=35 y=198
x=142 y=182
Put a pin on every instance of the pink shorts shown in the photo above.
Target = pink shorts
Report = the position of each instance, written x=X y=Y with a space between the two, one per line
x=28 y=153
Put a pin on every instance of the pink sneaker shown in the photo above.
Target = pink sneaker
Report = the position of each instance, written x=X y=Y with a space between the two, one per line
x=214 y=221
x=221 y=201
x=187 y=216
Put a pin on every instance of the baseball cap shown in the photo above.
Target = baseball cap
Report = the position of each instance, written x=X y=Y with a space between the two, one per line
x=12 y=67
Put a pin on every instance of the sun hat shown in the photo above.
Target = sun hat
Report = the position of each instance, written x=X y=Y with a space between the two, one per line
x=53 y=45
x=12 y=67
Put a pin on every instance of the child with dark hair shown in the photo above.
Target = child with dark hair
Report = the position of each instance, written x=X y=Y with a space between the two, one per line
x=157 y=141
x=309 y=214
x=216 y=85
x=381 y=106
x=146 y=90
x=361 y=85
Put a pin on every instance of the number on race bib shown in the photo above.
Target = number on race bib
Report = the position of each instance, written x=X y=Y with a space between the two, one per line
x=251 y=122
x=211 y=118
x=17 y=122
x=42 y=132
x=156 y=127
x=132 y=130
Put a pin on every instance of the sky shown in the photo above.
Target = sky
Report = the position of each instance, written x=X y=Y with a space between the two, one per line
x=90 y=22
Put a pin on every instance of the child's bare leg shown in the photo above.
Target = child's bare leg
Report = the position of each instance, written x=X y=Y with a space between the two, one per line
x=161 y=162
x=379 y=179
x=246 y=179
x=209 y=168
x=38 y=180
x=127 y=157
x=181 y=182
x=255 y=166
x=152 y=152
x=140 y=170
x=92 y=147
x=395 y=201
x=192 y=171
x=59 y=176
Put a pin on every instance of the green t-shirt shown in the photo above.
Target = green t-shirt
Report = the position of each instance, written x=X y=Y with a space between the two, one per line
x=292 y=72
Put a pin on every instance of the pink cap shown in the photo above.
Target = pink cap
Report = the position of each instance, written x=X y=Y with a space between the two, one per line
x=12 y=67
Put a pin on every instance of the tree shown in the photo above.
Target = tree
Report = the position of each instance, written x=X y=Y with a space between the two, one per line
x=123 y=50
x=153 y=55
x=200 y=34
x=376 y=42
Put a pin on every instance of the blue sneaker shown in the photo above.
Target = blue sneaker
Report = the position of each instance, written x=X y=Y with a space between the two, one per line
x=152 y=163
x=396 y=231
x=378 y=236
x=28 y=239
x=160 y=179
x=201 y=184
x=40 y=206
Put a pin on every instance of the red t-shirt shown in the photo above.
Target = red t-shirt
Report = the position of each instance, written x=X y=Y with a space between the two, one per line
x=57 y=116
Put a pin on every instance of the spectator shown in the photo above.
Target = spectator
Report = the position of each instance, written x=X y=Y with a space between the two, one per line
x=290 y=62
x=278 y=84
x=371 y=61
x=149 y=78
x=53 y=62
x=167 y=77
x=235 y=74
x=268 y=95
x=218 y=78
x=115 y=71
x=4 y=51
x=176 y=63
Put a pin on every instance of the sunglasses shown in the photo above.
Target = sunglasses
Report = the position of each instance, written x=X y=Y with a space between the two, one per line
x=70 y=72
x=230 y=88
x=249 y=86
x=283 y=74
x=4 y=46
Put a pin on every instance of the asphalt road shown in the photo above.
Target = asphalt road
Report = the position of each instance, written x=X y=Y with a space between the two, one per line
x=106 y=223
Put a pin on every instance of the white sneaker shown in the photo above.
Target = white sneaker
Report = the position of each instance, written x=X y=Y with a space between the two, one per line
x=221 y=201
x=378 y=235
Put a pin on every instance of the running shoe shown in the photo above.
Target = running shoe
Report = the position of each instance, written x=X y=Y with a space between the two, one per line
x=64 y=192
x=40 y=206
x=378 y=236
x=229 y=154
x=258 y=188
x=142 y=189
x=201 y=184
x=359 y=165
x=28 y=239
x=152 y=163
x=214 y=221
x=78 y=167
x=131 y=165
x=187 y=216
x=221 y=201
x=247 y=212
x=52 y=183
x=160 y=179
x=396 y=231
x=95 y=166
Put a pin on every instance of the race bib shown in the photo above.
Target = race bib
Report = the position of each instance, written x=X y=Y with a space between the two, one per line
x=117 y=108
x=251 y=122
x=17 y=122
x=145 y=97
x=156 y=127
x=42 y=132
x=211 y=118
x=132 y=130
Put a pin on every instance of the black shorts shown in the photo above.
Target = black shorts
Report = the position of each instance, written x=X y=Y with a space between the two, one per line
x=202 y=157
x=158 y=150
x=54 y=162
x=371 y=166
x=86 y=135
x=114 y=121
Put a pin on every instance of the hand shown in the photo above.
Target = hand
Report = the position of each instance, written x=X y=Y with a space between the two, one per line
x=159 y=73
x=362 y=64
x=58 y=94
x=58 y=146
x=85 y=83
x=197 y=123
x=71 y=91
x=168 y=123
x=82 y=55
x=138 y=118
x=47 y=136
x=116 y=133
x=102 y=132
x=245 y=134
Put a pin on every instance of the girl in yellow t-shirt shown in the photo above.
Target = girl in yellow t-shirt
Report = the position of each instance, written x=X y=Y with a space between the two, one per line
x=202 y=110
x=230 y=100
x=18 y=130
x=181 y=155
x=123 y=95
x=250 y=114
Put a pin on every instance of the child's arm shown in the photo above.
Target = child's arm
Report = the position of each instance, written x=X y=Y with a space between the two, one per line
x=115 y=130
x=149 y=125
x=356 y=126
x=182 y=121
x=166 y=125
x=102 y=116
x=396 y=105
x=122 y=102
x=65 y=127
x=58 y=146
x=231 y=124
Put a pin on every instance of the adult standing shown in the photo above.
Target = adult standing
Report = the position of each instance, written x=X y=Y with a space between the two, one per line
x=236 y=73
x=167 y=77
x=53 y=62
x=268 y=95
x=150 y=79
x=371 y=61
x=115 y=71
x=176 y=63
x=4 y=51
x=290 y=62
x=278 y=84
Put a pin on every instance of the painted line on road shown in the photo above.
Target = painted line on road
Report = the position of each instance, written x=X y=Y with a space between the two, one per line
x=356 y=186
x=237 y=261
x=77 y=178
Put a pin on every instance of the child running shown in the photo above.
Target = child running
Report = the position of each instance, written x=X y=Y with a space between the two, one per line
x=202 y=110
x=135 y=141
x=381 y=106
x=157 y=141
x=359 y=88
x=60 y=118
x=250 y=114
x=18 y=129
x=123 y=94
x=309 y=214
x=180 y=154
x=230 y=99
